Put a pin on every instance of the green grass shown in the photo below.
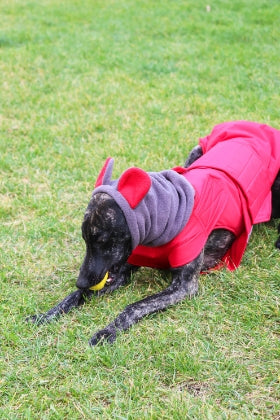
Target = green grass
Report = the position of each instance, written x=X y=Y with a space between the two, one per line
x=141 y=81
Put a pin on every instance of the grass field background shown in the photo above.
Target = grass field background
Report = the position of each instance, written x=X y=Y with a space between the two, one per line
x=141 y=81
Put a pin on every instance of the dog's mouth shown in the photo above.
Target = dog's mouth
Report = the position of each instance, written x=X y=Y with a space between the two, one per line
x=107 y=279
x=101 y=284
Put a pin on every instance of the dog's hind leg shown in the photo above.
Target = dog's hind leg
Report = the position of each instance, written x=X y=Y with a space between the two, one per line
x=195 y=153
x=276 y=204
x=184 y=283
x=75 y=299
x=277 y=243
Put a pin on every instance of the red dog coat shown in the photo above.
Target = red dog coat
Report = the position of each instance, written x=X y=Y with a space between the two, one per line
x=232 y=183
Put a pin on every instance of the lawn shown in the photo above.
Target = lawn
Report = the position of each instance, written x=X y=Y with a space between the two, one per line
x=141 y=81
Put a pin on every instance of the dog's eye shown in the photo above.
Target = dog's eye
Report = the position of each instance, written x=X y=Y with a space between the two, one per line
x=102 y=238
x=95 y=231
x=97 y=235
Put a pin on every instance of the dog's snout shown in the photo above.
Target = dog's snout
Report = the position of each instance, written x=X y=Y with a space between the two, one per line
x=84 y=280
x=82 y=283
x=91 y=272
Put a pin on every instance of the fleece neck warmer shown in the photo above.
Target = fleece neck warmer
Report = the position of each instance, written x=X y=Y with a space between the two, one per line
x=156 y=205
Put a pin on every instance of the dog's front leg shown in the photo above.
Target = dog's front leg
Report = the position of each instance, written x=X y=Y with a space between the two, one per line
x=75 y=299
x=120 y=276
x=184 y=283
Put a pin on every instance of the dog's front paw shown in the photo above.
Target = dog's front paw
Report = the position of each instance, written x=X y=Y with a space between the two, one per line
x=39 y=319
x=108 y=334
x=36 y=319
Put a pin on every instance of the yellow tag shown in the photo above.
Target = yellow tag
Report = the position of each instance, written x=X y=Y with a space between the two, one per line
x=101 y=284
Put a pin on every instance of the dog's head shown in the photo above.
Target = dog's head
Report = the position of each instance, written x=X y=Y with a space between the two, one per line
x=107 y=237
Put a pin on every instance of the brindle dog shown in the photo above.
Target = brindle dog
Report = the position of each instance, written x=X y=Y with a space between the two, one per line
x=108 y=246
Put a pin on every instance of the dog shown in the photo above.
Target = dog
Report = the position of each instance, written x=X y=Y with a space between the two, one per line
x=180 y=220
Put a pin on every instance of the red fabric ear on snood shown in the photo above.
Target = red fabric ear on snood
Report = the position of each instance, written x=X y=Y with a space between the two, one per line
x=134 y=184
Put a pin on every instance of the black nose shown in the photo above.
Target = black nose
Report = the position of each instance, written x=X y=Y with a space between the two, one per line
x=84 y=280
x=91 y=272
x=82 y=283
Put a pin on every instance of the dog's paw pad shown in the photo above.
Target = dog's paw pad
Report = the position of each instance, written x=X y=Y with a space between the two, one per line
x=36 y=319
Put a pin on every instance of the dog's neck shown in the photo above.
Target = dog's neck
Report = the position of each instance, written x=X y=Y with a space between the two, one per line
x=162 y=213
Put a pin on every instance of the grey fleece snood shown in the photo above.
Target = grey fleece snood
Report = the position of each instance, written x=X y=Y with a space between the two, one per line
x=161 y=214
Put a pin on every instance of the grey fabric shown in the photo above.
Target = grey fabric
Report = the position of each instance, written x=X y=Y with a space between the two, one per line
x=161 y=214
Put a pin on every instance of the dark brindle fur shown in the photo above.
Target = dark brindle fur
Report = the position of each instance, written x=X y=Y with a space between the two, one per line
x=108 y=246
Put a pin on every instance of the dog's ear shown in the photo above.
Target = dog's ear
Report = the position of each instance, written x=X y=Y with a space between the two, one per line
x=105 y=174
x=134 y=184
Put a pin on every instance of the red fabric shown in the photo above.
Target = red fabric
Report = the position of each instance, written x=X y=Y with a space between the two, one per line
x=217 y=205
x=232 y=182
x=249 y=153
x=134 y=185
x=100 y=177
